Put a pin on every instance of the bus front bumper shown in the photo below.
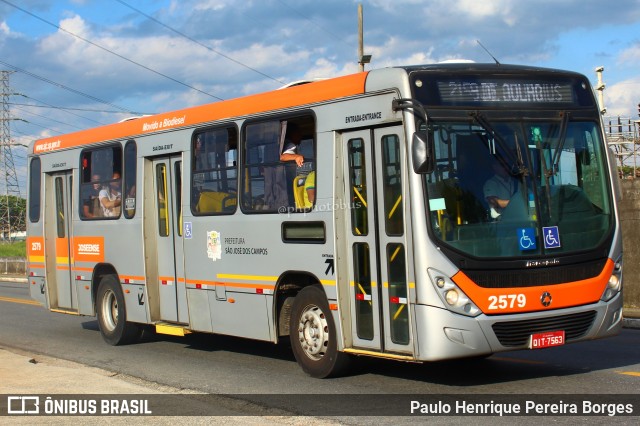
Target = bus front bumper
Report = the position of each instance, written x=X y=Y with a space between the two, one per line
x=446 y=335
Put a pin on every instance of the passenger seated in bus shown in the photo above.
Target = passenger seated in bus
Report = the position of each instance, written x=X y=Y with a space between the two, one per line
x=90 y=199
x=499 y=189
x=111 y=197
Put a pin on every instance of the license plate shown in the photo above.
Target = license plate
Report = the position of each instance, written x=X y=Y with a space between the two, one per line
x=546 y=340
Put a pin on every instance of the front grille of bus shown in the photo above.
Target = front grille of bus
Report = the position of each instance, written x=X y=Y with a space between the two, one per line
x=536 y=277
x=516 y=333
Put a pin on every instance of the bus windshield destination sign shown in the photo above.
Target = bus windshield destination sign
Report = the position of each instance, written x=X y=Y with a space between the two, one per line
x=478 y=91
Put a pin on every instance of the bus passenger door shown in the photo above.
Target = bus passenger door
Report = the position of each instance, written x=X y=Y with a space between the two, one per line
x=376 y=240
x=167 y=197
x=57 y=237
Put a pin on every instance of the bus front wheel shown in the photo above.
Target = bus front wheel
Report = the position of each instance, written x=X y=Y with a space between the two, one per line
x=313 y=335
x=112 y=316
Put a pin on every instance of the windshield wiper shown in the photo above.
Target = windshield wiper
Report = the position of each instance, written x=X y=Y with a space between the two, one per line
x=561 y=138
x=555 y=160
x=520 y=169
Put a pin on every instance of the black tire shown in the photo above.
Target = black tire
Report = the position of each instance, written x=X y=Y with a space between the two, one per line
x=312 y=332
x=112 y=315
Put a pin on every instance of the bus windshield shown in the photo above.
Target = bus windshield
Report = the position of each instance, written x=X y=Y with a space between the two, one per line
x=519 y=187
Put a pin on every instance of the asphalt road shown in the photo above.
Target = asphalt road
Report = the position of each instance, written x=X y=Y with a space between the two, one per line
x=213 y=364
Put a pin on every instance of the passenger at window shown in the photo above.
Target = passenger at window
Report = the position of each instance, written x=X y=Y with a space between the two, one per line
x=111 y=197
x=291 y=144
x=90 y=198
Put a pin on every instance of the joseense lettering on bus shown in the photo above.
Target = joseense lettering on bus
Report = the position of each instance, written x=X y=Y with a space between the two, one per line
x=89 y=248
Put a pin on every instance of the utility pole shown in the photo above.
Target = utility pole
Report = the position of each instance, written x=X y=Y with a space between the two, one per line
x=7 y=166
x=600 y=88
x=362 y=58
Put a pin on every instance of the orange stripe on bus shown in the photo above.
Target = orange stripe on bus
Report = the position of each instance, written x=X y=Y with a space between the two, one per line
x=279 y=99
x=566 y=295
x=229 y=284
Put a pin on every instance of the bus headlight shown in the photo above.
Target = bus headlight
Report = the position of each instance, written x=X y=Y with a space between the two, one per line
x=615 y=282
x=452 y=296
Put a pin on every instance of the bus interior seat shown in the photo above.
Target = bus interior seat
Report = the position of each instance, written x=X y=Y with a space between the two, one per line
x=298 y=191
x=215 y=202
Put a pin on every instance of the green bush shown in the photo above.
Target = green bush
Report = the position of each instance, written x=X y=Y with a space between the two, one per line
x=16 y=249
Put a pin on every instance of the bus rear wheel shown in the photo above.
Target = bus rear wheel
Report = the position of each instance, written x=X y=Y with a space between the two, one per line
x=313 y=335
x=112 y=315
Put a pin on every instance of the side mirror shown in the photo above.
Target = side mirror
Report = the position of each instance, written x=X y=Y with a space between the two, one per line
x=422 y=153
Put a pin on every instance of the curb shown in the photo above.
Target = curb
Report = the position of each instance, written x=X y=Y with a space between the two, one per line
x=14 y=279
x=631 y=323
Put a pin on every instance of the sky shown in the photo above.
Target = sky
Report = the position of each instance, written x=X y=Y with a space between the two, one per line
x=83 y=63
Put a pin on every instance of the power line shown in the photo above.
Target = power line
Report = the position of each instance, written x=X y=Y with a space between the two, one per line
x=49 y=118
x=64 y=108
x=181 y=34
x=62 y=86
x=110 y=51
x=54 y=131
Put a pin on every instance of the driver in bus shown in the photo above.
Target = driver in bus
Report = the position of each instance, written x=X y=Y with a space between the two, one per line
x=499 y=189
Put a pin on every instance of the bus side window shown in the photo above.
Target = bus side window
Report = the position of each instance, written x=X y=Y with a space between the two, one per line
x=264 y=186
x=100 y=174
x=278 y=156
x=129 y=194
x=34 y=189
x=214 y=177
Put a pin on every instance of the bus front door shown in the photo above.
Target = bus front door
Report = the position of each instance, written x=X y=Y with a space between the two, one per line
x=167 y=215
x=376 y=240
x=57 y=237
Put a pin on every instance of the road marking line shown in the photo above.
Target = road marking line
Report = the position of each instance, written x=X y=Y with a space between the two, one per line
x=23 y=301
x=629 y=373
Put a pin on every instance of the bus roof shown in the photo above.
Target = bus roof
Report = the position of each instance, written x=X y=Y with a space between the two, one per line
x=278 y=99
x=296 y=95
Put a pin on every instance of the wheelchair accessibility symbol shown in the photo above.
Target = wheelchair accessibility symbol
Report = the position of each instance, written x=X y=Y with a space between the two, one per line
x=527 y=238
x=551 y=237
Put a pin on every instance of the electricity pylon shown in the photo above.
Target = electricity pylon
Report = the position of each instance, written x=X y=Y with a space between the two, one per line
x=8 y=176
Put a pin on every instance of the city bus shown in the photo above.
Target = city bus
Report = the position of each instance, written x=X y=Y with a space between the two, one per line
x=379 y=237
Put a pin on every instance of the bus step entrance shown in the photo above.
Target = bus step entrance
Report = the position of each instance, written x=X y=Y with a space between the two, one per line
x=171 y=329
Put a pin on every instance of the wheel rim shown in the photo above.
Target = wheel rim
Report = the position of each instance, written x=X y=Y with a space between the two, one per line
x=110 y=310
x=313 y=332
